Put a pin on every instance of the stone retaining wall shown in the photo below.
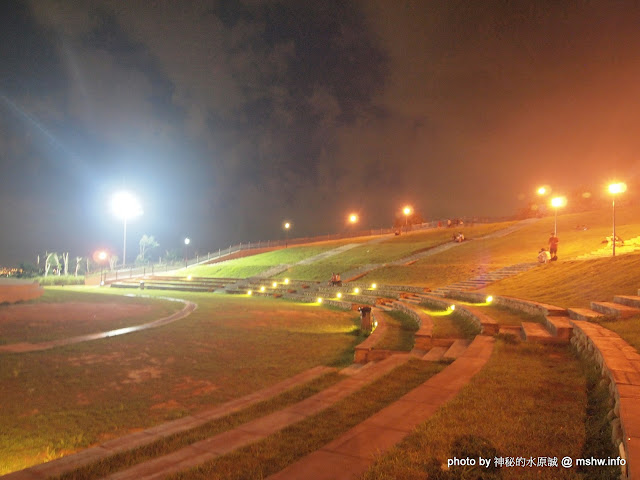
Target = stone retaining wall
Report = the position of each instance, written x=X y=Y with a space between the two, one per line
x=624 y=393
x=364 y=352
x=528 y=306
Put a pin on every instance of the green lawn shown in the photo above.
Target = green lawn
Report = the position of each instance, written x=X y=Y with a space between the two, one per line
x=529 y=401
x=58 y=401
x=399 y=332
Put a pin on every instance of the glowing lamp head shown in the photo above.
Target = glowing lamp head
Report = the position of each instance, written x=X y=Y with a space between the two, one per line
x=286 y=281
x=187 y=241
x=319 y=300
x=374 y=286
x=125 y=205
x=616 y=188
x=189 y=277
x=356 y=290
x=489 y=299
x=287 y=225
x=339 y=295
x=102 y=256
x=262 y=289
x=406 y=210
x=542 y=191
x=274 y=284
x=249 y=292
x=558 y=202
x=353 y=218
x=452 y=307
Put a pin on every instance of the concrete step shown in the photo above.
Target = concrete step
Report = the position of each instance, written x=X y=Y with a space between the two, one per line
x=584 y=314
x=559 y=327
x=435 y=354
x=615 y=309
x=456 y=349
x=628 y=300
x=515 y=330
x=535 y=332
x=415 y=301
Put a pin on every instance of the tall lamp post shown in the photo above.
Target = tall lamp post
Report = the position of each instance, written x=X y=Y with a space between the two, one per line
x=125 y=206
x=187 y=241
x=407 y=211
x=102 y=256
x=287 y=226
x=556 y=203
x=615 y=189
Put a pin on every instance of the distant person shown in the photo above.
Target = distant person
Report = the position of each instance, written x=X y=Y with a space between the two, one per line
x=544 y=256
x=553 y=247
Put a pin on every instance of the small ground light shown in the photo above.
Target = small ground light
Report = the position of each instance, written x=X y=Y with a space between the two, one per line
x=286 y=281
x=373 y=286
x=339 y=295
x=274 y=284
x=489 y=299
x=319 y=300
x=262 y=289
x=249 y=292
x=452 y=308
x=356 y=290
x=188 y=277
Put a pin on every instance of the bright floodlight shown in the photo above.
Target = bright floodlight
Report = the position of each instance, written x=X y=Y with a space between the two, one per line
x=287 y=225
x=353 y=218
x=616 y=188
x=125 y=205
x=102 y=256
x=558 y=202
x=187 y=241
x=542 y=191
x=407 y=210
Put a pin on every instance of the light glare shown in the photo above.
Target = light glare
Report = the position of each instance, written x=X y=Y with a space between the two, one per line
x=616 y=188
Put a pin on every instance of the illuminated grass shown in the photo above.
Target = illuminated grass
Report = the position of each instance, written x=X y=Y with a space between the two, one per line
x=627 y=328
x=58 y=401
x=174 y=442
x=277 y=451
x=530 y=400
x=399 y=333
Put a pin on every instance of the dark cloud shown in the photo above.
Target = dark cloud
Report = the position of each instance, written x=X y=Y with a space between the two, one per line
x=228 y=117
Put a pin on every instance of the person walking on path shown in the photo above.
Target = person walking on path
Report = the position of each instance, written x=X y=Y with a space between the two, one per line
x=553 y=246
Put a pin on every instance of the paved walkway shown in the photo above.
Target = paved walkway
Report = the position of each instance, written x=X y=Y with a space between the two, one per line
x=144 y=437
x=350 y=455
x=35 y=347
x=223 y=443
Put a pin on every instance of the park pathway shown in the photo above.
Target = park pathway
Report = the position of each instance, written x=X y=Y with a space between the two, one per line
x=36 y=347
x=350 y=455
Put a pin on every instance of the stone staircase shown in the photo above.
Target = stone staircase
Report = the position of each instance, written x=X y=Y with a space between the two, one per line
x=485 y=279
x=439 y=353
x=623 y=306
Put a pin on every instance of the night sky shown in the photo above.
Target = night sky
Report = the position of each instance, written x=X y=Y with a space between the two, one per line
x=227 y=118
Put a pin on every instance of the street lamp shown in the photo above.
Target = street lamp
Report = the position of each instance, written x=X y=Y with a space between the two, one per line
x=102 y=256
x=407 y=211
x=187 y=241
x=125 y=206
x=615 y=189
x=353 y=218
x=287 y=226
x=557 y=202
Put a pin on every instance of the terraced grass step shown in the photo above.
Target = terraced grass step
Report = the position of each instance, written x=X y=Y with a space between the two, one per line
x=515 y=330
x=456 y=349
x=583 y=314
x=615 y=309
x=535 y=332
